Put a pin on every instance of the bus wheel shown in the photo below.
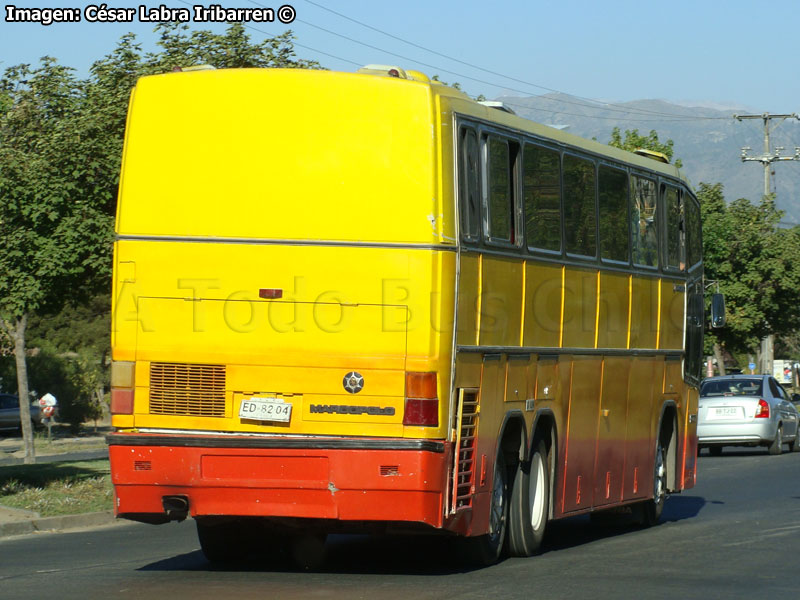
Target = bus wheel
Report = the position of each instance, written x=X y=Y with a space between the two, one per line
x=530 y=499
x=223 y=543
x=649 y=511
x=485 y=549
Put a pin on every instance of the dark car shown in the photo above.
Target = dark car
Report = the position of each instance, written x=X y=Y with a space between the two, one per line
x=9 y=412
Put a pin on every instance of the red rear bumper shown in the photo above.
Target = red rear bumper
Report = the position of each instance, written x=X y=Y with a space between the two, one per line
x=348 y=479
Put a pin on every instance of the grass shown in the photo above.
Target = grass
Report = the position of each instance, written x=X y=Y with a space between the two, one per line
x=54 y=489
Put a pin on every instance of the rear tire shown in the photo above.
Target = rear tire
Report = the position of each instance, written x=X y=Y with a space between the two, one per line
x=224 y=543
x=529 y=505
x=648 y=513
x=794 y=446
x=776 y=447
x=484 y=550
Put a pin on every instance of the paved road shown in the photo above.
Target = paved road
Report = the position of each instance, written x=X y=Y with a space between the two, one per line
x=736 y=535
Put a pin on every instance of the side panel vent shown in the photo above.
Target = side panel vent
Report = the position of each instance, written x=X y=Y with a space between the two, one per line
x=466 y=444
x=187 y=389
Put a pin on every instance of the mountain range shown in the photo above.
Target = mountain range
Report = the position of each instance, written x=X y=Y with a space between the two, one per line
x=707 y=138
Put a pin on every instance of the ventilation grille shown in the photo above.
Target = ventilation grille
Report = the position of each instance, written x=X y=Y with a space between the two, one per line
x=190 y=390
x=464 y=472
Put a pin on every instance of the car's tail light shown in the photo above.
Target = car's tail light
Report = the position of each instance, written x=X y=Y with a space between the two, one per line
x=422 y=402
x=762 y=412
x=122 y=385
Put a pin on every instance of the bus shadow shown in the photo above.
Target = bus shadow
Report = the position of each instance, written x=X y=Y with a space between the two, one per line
x=345 y=554
x=422 y=555
x=581 y=530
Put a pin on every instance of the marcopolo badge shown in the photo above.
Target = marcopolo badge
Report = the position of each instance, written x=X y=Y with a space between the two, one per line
x=353 y=382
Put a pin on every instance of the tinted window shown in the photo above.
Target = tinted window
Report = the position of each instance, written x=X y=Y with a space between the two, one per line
x=579 y=206
x=644 y=221
x=731 y=387
x=613 y=200
x=676 y=229
x=470 y=183
x=541 y=172
x=693 y=364
x=776 y=389
x=694 y=235
x=500 y=198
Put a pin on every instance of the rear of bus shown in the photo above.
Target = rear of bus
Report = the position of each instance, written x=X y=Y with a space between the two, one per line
x=283 y=300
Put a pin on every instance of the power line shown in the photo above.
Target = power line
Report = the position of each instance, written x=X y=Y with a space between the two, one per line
x=606 y=105
x=666 y=117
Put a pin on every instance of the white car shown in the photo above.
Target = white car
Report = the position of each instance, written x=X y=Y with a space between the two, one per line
x=746 y=410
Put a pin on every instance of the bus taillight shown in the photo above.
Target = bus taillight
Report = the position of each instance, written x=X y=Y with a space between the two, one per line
x=122 y=383
x=422 y=402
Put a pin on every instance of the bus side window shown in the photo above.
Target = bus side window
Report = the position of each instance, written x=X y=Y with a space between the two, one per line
x=469 y=183
x=579 y=206
x=676 y=228
x=693 y=232
x=500 y=181
x=693 y=364
x=541 y=173
x=613 y=197
x=644 y=221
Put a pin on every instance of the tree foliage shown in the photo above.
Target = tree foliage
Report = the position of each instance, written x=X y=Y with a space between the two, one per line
x=633 y=141
x=756 y=264
x=60 y=151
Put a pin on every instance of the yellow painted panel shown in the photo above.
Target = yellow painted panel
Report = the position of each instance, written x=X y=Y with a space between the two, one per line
x=611 y=431
x=672 y=313
x=533 y=378
x=673 y=379
x=548 y=379
x=643 y=385
x=542 y=305
x=584 y=399
x=612 y=329
x=517 y=378
x=241 y=331
x=501 y=301
x=468 y=370
x=283 y=154
x=580 y=308
x=468 y=289
x=644 y=312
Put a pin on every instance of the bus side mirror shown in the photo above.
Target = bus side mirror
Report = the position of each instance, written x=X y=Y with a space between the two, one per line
x=717 y=311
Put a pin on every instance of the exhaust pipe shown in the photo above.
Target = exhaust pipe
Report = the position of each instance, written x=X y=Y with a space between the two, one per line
x=176 y=507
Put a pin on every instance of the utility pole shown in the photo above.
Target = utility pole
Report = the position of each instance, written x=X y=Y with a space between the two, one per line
x=766 y=159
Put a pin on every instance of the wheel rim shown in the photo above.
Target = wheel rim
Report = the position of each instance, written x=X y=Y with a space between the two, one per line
x=498 y=507
x=660 y=476
x=536 y=492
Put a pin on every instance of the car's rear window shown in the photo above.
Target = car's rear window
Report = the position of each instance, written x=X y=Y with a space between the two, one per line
x=731 y=387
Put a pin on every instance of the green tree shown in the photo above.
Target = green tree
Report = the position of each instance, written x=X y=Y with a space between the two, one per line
x=633 y=141
x=60 y=150
x=756 y=265
x=55 y=226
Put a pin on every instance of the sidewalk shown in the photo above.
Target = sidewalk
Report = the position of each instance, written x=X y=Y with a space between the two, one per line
x=63 y=447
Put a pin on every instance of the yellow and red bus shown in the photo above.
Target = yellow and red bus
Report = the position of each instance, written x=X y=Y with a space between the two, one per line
x=365 y=302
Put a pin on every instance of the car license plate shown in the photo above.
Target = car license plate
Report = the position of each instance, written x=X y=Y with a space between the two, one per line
x=266 y=409
x=727 y=412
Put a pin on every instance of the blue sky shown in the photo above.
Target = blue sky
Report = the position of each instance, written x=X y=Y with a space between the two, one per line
x=732 y=53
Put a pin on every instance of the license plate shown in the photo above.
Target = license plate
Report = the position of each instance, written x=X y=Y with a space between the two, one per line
x=727 y=412
x=266 y=409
